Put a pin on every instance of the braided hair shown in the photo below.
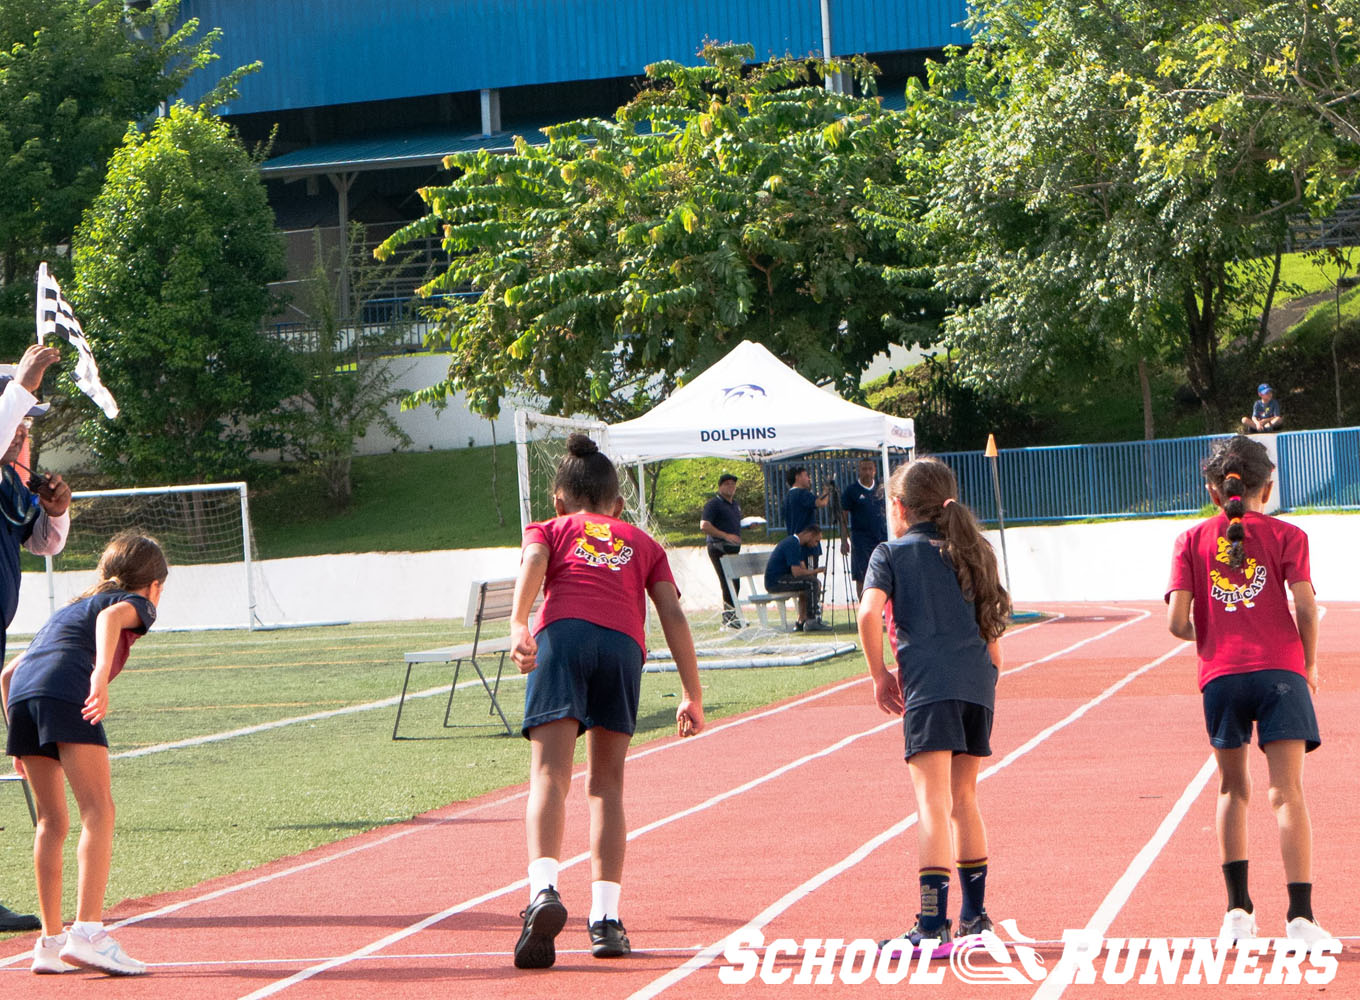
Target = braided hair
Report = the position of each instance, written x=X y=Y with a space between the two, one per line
x=928 y=489
x=1237 y=467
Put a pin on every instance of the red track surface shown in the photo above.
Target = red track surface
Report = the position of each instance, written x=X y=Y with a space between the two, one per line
x=772 y=818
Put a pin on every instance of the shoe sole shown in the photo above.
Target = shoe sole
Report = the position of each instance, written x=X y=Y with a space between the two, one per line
x=610 y=951
x=47 y=970
x=96 y=967
x=535 y=949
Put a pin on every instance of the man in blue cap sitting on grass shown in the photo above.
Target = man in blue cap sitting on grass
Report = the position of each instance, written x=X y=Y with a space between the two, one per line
x=1265 y=415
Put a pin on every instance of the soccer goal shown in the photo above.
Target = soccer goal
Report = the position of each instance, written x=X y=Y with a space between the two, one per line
x=204 y=530
x=540 y=443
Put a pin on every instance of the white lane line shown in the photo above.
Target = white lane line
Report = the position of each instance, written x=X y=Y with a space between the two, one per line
x=406 y=831
x=1077 y=645
x=776 y=908
x=434 y=918
x=1061 y=976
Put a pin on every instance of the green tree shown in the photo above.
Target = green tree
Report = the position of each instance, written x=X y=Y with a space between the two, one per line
x=349 y=382
x=626 y=255
x=1089 y=213
x=172 y=266
x=73 y=75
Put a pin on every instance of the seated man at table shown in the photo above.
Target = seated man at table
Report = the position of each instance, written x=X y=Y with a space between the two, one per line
x=790 y=570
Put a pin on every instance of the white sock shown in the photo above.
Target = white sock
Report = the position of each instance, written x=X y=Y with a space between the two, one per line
x=604 y=901
x=542 y=873
x=54 y=940
x=87 y=928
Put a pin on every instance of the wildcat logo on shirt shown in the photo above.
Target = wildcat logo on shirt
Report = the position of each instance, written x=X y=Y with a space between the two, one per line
x=599 y=547
x=1231 y=593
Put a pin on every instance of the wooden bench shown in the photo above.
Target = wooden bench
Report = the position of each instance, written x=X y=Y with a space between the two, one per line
x=750 y=567
x=488 y=601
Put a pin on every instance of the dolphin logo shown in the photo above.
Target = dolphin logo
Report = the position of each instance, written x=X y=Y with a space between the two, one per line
x=747 y=390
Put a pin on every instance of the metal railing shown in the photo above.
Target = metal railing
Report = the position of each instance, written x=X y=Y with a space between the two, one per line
x=1318 y=469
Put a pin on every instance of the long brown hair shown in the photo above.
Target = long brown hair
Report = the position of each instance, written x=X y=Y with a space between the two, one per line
x=130 y=562
x=928 y=489
x=1237 y=466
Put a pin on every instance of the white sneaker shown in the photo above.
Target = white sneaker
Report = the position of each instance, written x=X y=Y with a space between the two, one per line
x=101 y=953
x=47 y=956
x=1305 y=930
x=1238 y=925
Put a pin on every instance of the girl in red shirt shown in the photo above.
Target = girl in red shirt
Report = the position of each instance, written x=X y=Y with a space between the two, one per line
x=584 y=659
x=1257 y=663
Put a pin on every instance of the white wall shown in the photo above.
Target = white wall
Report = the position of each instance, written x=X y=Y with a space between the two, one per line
x=1116 y=561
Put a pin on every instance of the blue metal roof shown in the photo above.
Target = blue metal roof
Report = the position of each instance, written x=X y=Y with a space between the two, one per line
x=317 y=53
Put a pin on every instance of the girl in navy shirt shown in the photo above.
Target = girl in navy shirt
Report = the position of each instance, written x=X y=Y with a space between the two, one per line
x=55 y=695
x=950 y=609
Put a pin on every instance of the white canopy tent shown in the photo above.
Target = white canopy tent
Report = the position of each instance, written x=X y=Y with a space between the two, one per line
x=749 y=405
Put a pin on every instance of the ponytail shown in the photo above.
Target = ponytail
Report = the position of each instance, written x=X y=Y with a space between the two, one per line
x=129 y=562
x=1238 y=466
x=928 y=488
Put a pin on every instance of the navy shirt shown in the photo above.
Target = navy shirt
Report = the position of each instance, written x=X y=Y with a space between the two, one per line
x=723 y=515
x=868 y=517
x=786 y=555
x=1263 y=410
x=940 y=653
x=60 y=659
x=15 y=498
x=800 y=509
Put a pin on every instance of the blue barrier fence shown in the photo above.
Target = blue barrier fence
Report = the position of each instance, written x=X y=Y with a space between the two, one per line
x=1317 y=469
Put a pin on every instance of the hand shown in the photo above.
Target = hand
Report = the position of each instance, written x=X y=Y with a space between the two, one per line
x=888 y=693
x=97 y=704
x=689 y=718
x=845 y=546
x=33 y=366
x=734 y=539
x=523 y=648
x=1313 y=679
x=56 y=496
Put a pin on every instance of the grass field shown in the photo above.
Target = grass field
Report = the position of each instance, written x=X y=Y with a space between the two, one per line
x=188 y=814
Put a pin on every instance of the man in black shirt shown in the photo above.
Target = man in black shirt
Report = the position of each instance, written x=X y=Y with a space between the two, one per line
x=721 y=522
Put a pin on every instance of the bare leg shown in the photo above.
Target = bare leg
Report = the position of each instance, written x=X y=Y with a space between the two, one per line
x=552 y=747
x=1285 y=759
x=87 y=770
x=49 y=796
x=605 y=755
x=970 y=835
x=1234 y=792
x=931 y=779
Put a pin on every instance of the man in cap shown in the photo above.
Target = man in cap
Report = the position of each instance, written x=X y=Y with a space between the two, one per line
x=721 y=522
x=40 y=521
x=1265 y=414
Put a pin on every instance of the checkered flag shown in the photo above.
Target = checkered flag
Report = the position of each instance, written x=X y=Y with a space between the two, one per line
x=56 y=318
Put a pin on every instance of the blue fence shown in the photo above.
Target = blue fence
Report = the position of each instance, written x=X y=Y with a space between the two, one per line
x=1317 y=469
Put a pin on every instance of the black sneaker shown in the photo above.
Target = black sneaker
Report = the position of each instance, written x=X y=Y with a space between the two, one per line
x=915 y=936
x=608 y=939
x=798 y=626
x=978 y=925
x=11 y=921
x=543 y=921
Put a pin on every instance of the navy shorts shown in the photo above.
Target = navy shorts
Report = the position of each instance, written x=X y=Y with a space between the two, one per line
x=585 y=672
x=37 y=725
x=1276 y=700
x=957 y=726
x=860 y=551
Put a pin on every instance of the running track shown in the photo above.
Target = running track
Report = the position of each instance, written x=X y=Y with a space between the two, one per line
x=798 y=821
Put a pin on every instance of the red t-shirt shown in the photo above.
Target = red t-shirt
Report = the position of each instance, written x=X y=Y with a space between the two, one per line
x=599 y=570
x=1241 y=616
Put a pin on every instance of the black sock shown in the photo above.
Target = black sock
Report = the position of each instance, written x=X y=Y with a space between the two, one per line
x=934 y=898
x=1235 y=874
x=1300 y=900
x=973 y=880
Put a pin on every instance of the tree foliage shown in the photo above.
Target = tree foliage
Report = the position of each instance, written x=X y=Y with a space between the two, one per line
x=348 y=384
x=1093 y=204
x=172 y=265
x=73 y=75
x=626 y=255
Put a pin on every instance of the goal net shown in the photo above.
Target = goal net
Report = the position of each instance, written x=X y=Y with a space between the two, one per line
x=204 y=531
x=540 y=443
